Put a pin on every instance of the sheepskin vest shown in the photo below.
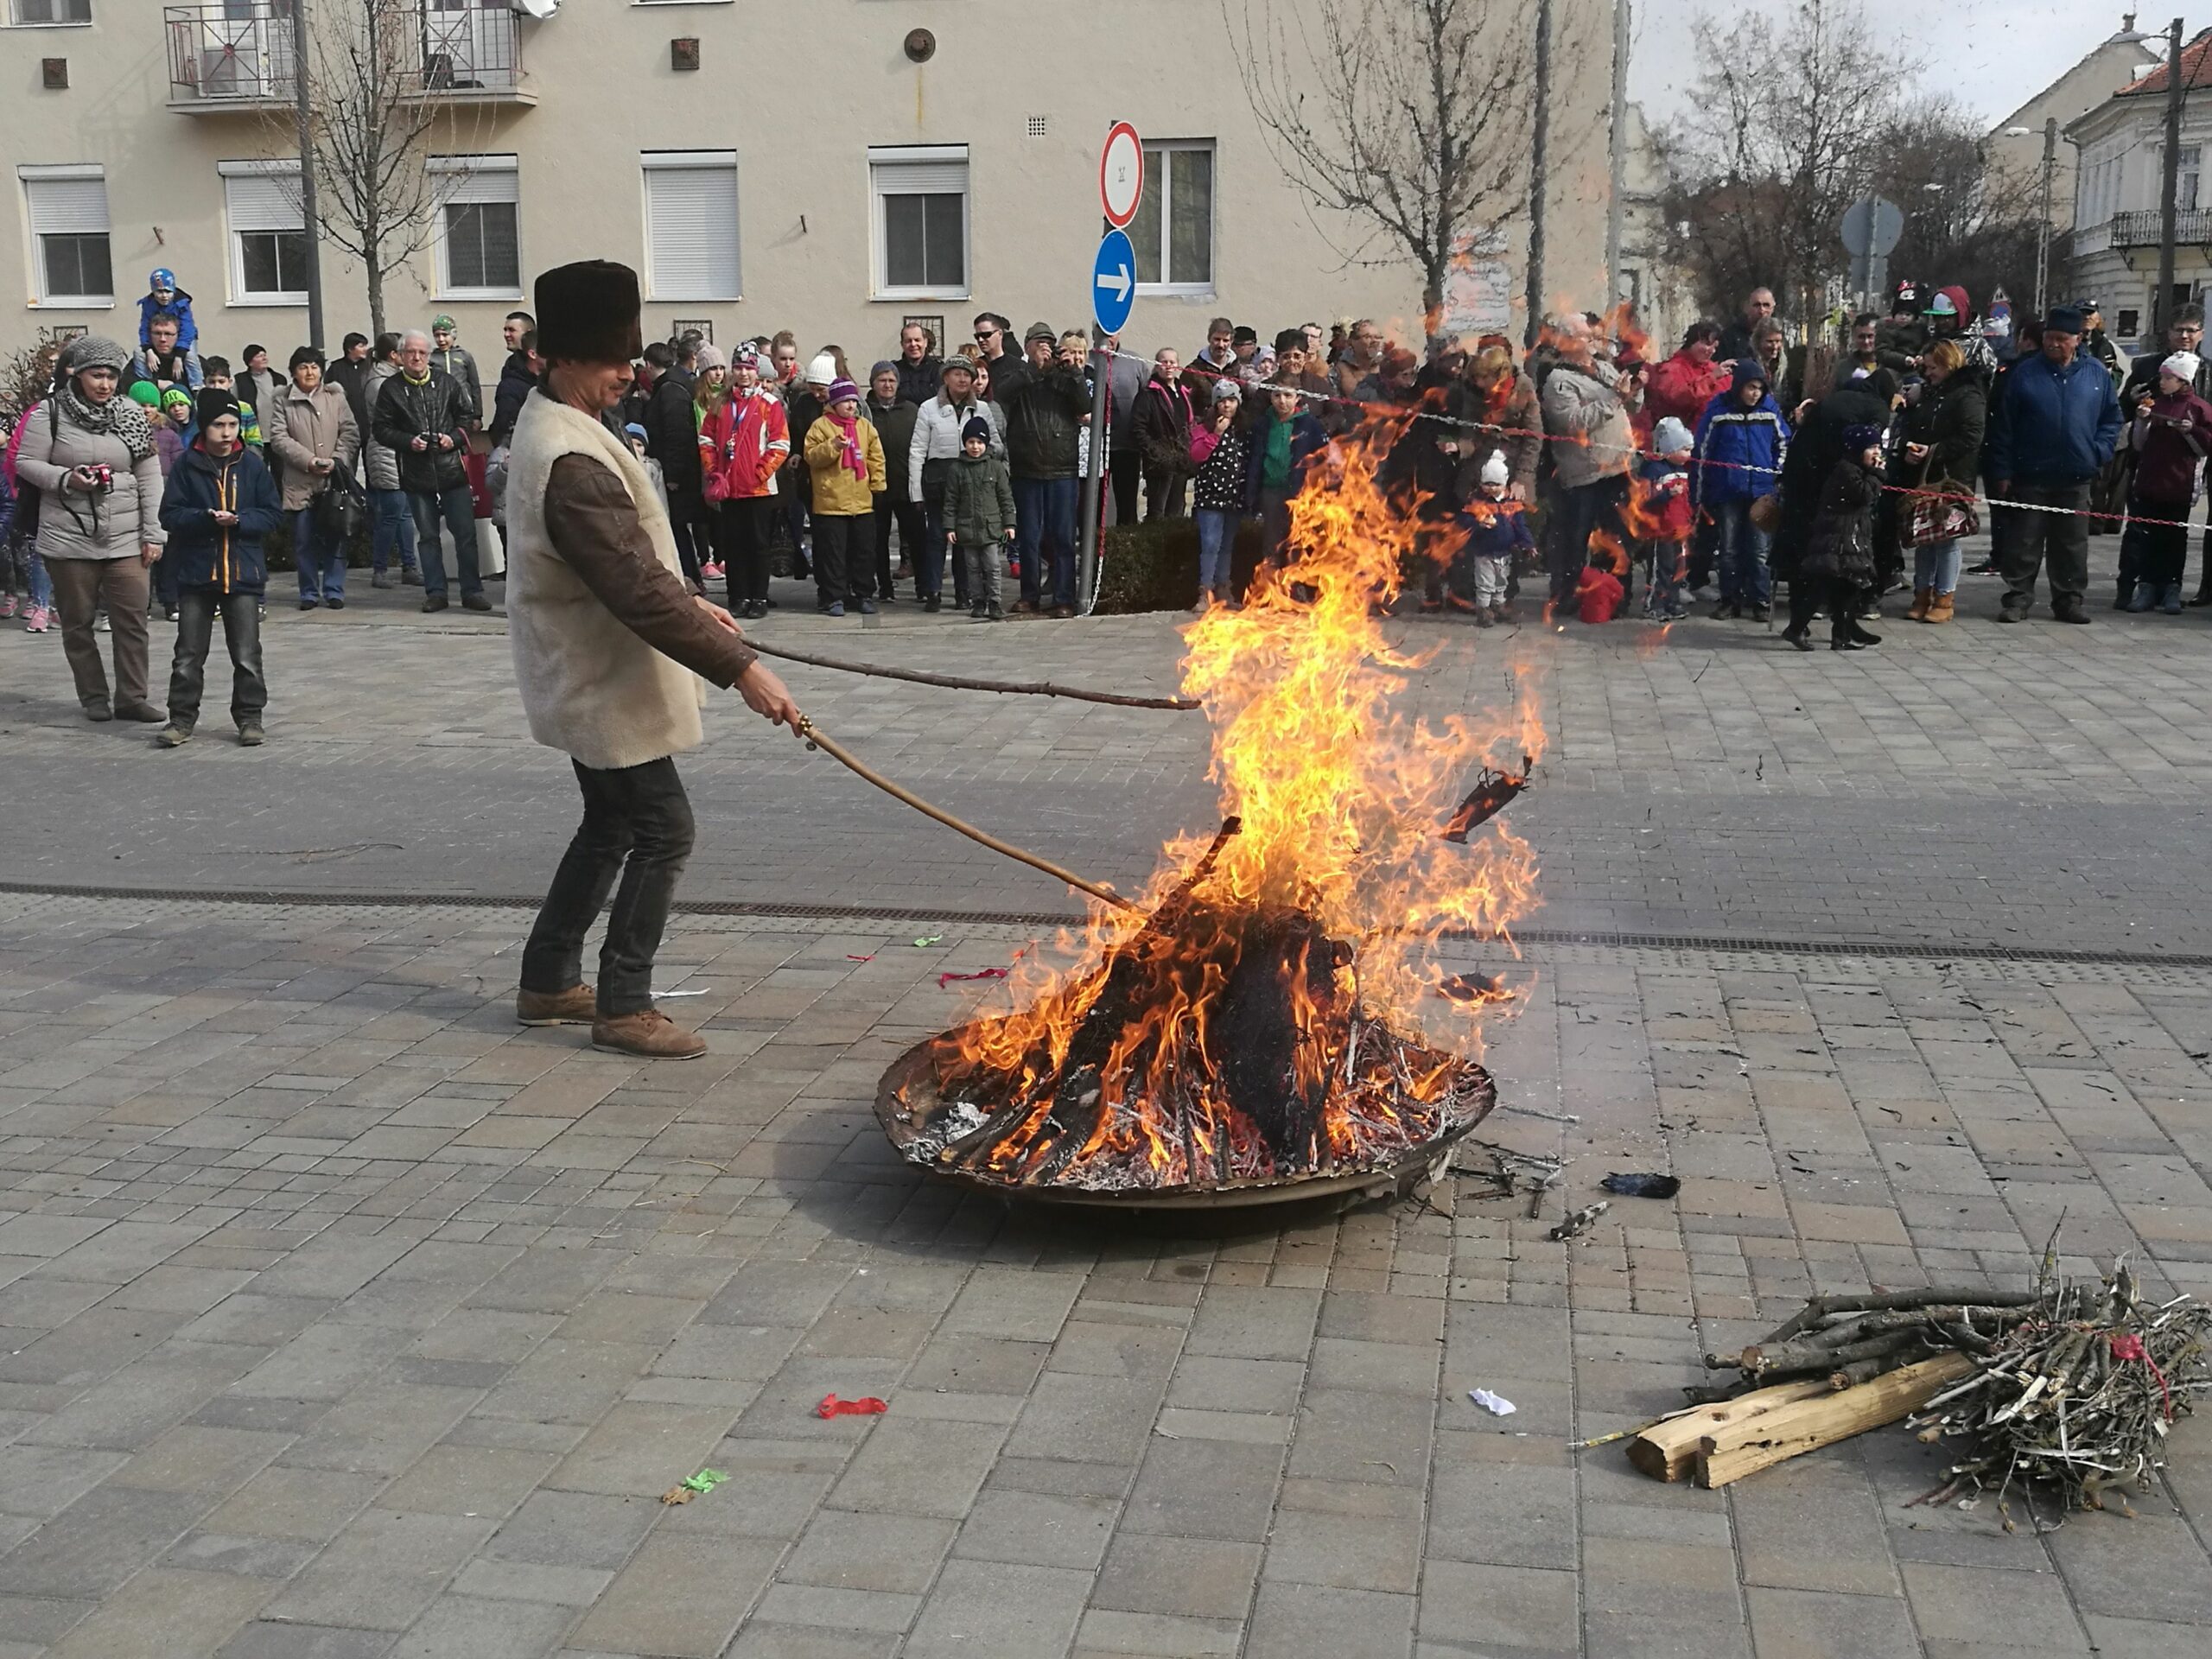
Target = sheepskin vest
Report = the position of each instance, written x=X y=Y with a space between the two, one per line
x=591 y=688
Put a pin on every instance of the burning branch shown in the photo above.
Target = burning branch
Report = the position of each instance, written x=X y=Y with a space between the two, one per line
x=1494 y=791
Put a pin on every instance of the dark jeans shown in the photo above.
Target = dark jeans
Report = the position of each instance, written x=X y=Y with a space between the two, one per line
x=458 y=510
x=792 y=494
x=2154 y=553
x=913 y=529
x=1163 y=492
x=1275 y=524
x=844 y=568
x=747 y=523
x=1127 y=472
x=687 y=517
x=1045 y=513
x=196 y=609
x=928 y=559
x=2056 y=543
x=392 y=527
x=1584 y=510
x=638 y=825
x=320 y=557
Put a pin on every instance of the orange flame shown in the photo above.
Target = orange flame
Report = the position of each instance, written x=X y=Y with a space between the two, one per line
x=1343 y=800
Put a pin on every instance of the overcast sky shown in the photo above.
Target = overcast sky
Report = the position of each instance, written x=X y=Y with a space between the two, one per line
x=1992 y=54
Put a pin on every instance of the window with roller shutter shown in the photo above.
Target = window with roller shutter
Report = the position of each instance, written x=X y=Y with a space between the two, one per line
x=479 y=242
x=918 y=207
x=691 y=241
x=67 y=207
x=267 y=232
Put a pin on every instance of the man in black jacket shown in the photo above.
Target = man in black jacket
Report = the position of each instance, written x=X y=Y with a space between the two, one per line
x=1044 y=425
x=421 y=416
x=672 y=439
x=350 y=374
x=517 y=379
x=920 y=369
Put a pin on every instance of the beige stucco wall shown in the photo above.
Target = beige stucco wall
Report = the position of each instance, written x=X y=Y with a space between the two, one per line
x=800 y=91
x=2080 y=89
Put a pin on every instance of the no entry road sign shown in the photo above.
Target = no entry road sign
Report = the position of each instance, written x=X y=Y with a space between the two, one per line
x=1121 y=175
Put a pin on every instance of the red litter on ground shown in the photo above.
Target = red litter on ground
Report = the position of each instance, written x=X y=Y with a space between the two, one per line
x=831 y=1406
x=944 y=979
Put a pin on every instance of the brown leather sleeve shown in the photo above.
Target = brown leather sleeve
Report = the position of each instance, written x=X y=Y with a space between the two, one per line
x=595 y=529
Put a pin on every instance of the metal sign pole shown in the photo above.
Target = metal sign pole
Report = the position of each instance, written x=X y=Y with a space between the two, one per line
x=1102 y=405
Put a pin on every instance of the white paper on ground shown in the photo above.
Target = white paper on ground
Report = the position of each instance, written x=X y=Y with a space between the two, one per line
x=1496 y=1404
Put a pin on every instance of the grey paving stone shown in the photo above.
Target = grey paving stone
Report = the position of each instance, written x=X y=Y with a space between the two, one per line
x=678 y=1596
x=88 y=1549
x=462 y=1627
x=1964 y=1605
x=576 y=1530
x=381 y=1571
x=165 y=1611
x=980 y=1609
x=1204 y=1489
x=1306 y=1618
x=1810 y=1623
x=1191 y=1577
x=846 y=1550
x=266 y=1640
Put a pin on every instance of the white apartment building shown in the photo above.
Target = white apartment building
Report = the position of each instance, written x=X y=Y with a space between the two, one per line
x=2119 y=192
x=833 y=166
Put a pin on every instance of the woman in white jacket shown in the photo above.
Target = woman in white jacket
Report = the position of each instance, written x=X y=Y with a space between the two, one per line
x=930 y=455
x=90 y=454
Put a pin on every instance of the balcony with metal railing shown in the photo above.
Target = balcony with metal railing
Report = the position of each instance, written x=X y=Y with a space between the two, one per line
x=2142 y=228
x=240 y=56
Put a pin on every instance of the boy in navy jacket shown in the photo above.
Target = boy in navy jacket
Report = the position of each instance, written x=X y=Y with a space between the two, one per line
x=217 y=505
x=1495 y=530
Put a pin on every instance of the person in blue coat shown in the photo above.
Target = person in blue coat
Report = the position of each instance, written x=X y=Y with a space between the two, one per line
x=2052 y=427
x=163 y=298
x=1742 y=440
x=216 y=506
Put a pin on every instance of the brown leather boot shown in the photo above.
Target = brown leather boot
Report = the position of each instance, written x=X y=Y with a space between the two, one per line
x=1940 y=608
x=578 y=1006
x=1921 y=599
x=651 y=1035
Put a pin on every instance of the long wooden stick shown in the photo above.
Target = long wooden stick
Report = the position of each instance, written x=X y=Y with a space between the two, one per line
x=1020 y=688
x=836 y=751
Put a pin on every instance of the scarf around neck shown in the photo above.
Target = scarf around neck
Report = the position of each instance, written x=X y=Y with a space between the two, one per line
x=850 y=456
x=118 y=417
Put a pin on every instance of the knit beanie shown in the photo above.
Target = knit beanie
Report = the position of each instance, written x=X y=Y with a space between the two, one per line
x=1226 y=391
x=888 y=366
x=144 y=392
x=93 y=352
x=822 y=371
x=977 y=428
x=212 y=405
x=841 y=388
x=1671 y=437
x=710 y=357
x=2184 y=366
x=1864 y=436
x=1494 y=469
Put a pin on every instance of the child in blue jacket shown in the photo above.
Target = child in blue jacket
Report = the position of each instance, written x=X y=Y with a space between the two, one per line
x=1495 y=529
x=163 y=298
x=1743 y=439
x=217 y=505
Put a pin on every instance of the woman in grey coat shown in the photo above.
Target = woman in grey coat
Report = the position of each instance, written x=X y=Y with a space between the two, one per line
x=90 y=454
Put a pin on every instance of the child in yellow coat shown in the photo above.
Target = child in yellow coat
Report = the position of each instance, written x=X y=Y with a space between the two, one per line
x=845 y=456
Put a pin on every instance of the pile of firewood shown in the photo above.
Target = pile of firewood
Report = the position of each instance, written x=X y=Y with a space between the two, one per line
x=2070 y=1388
x=2076 y=1395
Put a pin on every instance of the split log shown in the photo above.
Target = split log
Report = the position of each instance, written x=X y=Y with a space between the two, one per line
x=1744 y=1448
x=1667 y=1449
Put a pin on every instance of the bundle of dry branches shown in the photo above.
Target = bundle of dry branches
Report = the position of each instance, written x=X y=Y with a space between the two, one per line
x=2076 y=1395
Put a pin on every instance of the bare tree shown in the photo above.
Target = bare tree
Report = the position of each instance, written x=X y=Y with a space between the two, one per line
x=371 y=132
x=1406 y=121
x=1780 y=138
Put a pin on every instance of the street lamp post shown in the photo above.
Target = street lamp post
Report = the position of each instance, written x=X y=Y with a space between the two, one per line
x=2042 y=210
x=302 y=113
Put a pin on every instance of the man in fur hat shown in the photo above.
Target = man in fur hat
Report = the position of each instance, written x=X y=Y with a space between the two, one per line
x=610 y=650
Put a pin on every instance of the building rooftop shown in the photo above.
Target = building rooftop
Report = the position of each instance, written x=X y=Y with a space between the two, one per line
x=2195 y=69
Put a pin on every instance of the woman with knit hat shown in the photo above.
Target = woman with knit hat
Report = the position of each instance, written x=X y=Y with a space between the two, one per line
x=2169 y=436
x=844 y=457
x=89 y=454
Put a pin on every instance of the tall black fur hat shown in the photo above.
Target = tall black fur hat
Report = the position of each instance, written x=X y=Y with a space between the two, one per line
x=589 y=312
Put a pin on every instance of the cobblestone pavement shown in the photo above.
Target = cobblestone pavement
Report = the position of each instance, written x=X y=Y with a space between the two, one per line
x=340 y=1318
x=347 y=1318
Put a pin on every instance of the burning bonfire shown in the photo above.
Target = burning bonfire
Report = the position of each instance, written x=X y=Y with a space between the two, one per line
x=1277 y=1009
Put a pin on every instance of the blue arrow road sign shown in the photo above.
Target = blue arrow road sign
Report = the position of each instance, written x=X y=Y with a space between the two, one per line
x=1114 y=282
